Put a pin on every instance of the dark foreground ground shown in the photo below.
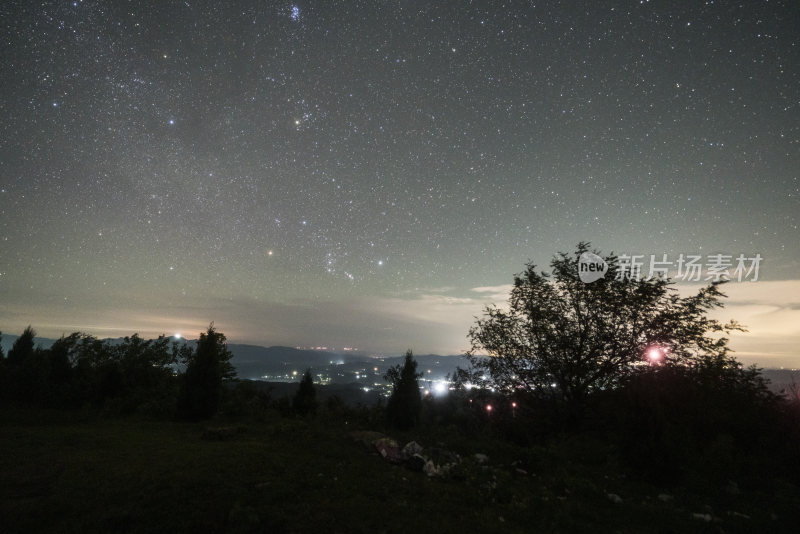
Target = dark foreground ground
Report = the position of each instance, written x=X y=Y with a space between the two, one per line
x=67 y=472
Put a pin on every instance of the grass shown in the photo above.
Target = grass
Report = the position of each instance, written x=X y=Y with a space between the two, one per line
x=75 y=472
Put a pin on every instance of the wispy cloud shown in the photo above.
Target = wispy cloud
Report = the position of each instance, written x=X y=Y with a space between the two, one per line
x=433 y=321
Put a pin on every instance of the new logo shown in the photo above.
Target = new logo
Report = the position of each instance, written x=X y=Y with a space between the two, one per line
x=591 y=267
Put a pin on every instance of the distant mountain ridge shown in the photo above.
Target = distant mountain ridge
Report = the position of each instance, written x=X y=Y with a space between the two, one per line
x=254 y=361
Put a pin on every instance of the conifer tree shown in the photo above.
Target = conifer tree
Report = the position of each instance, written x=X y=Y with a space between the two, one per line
x=405 y=404
x=305 y=400
x=206 y=368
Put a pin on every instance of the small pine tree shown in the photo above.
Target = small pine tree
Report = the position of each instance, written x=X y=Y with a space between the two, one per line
x=405 y=403
x=305 y=400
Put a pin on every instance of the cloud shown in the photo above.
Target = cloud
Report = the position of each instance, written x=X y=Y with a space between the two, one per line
x=435 y=321
x=770 y=310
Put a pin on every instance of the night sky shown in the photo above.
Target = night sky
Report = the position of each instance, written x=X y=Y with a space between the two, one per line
x=370 y=174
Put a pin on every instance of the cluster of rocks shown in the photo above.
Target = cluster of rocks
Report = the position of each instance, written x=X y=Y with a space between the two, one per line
x=434 y=461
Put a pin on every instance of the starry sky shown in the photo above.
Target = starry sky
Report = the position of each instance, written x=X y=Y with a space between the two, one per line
x=371 y=174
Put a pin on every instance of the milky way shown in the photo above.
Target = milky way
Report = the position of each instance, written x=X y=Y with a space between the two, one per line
x=314 y=172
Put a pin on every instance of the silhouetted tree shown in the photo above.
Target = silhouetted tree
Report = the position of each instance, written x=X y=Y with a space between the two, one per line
x=405 y=404
x=206 y=368
x=145 y=364
x=25 y=371
x=23 y=347
x=563 y=337
x=305 y=400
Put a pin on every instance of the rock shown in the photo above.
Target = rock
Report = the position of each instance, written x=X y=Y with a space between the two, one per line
x=702 y=517
x=415 y=463
x=481 y=458
x=430 y=469
x=411 y=448
x=389 y=449
x=613 y=497
x=442 y=456
x=664 y=497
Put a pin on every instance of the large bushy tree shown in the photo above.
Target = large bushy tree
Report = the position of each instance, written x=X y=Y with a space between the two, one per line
x=206 y=368
x=405 y=404
x=565 y=338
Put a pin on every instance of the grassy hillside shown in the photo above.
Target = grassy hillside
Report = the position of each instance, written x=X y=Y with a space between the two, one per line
x=73 y=472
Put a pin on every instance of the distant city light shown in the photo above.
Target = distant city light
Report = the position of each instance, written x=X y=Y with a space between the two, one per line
x=489 y=408
x=440 y=388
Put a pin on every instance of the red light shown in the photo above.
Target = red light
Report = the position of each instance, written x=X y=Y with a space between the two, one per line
x=655 y=354
x=513 y=404
x=488 y=407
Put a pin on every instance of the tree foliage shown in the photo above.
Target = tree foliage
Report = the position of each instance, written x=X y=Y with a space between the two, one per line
x=563 y=337
x=23 y=347
x=405 y=404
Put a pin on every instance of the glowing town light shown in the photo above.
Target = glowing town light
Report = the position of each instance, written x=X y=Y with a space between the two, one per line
x=489 y=408
x=440 y=388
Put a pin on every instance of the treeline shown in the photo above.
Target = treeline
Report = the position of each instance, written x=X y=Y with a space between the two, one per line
x=156 y=377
